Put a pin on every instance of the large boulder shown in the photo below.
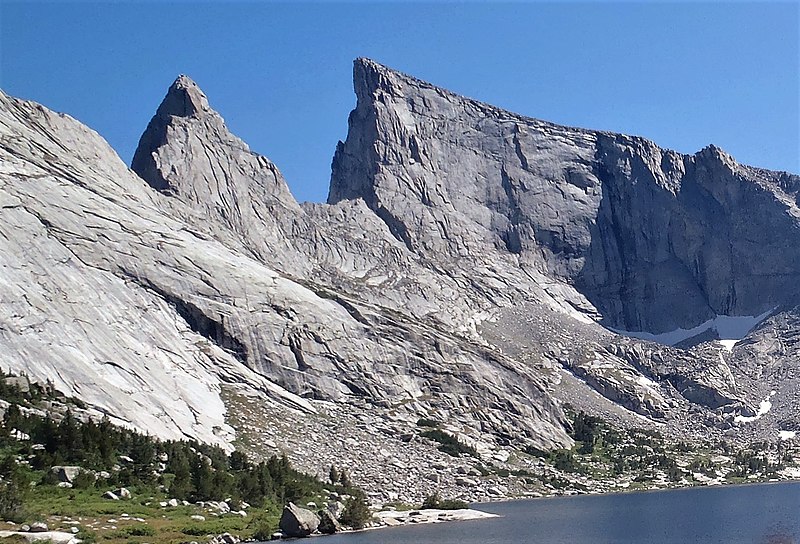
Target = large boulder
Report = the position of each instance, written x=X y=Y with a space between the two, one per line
x=66 y=473
x=328 y=524
x=123 y=493
x=39 y=527
x=298 y=522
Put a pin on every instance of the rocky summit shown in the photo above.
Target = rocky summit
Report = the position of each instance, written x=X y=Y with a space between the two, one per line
x=472 y=267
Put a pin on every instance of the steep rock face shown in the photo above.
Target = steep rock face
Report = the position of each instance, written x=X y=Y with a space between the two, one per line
x=456 y=176
x=168 y=308
x=654 y=239
x=689 y=237
x=241 y=199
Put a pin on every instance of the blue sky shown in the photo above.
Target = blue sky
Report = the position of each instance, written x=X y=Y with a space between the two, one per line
x=683 y=74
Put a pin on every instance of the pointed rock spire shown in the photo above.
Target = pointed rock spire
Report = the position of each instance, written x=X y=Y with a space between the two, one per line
x=368 y=76
x=184 y=99
x=188 y=152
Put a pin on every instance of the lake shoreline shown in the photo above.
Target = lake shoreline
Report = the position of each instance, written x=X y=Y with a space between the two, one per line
x=744 y=513
x=387 y=519
x=403 y=518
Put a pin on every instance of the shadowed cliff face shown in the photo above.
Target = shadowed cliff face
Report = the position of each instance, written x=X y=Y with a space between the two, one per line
x=689 y=237
x=654 y=239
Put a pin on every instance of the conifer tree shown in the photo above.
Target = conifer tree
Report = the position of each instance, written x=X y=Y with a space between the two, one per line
x=181 y=487
x=70 y=439
x=356 y=511
x=13 y=419
x=202 y=480
x=238 y=461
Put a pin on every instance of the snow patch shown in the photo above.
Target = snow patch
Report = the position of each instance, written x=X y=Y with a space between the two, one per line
x=763 y=408
x=787 y=435
x=729 y=329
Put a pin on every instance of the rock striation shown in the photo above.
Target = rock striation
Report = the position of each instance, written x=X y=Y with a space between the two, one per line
x=344 y=253
x=472 y=266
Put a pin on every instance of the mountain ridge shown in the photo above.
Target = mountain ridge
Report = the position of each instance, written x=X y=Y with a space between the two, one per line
x=443 y=280
x=508 y=177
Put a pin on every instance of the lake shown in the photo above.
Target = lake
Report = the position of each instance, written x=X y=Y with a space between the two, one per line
x=748 y=514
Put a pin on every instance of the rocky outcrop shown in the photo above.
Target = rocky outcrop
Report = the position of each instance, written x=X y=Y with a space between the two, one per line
x=680 y=239
x=187 y=151
x=225 y=538
x=298 y=522
x=346 y=255
x=39 y=527
x=612 y=226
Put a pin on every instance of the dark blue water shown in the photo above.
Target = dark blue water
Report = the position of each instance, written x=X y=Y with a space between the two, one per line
x=754 y=514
